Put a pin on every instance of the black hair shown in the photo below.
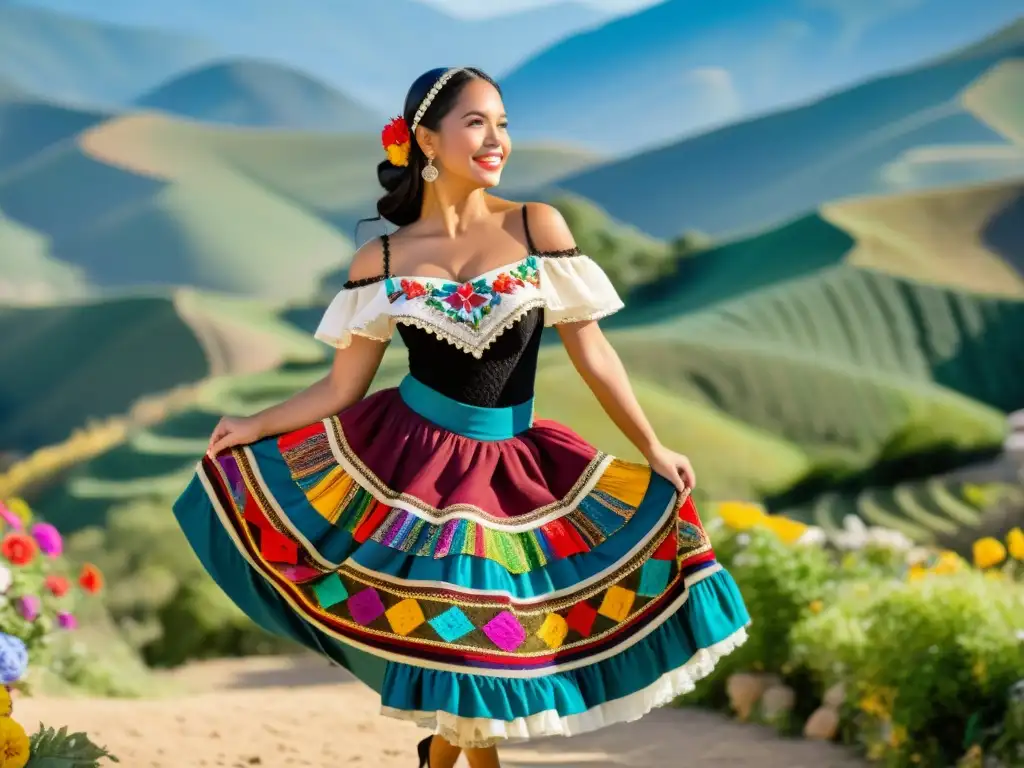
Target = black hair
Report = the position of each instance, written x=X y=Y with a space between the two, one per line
x=403 y=200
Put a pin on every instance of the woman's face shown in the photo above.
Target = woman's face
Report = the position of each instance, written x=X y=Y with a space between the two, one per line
x=472 y=142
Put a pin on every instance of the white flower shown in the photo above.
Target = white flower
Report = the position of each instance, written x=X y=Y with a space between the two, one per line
x=889 y=539
x=5 y=578
x=854 y=534
x=813 y=536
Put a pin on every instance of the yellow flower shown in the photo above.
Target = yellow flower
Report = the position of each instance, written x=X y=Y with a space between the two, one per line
x=878 y=703
x=988 y=552
x=13 y=744
x=949 y=563
x=398 y=154
x=20 y=508
x=876 y=751
x=6 y=705
x=740 y=515
x=1015 y=543
x=897 y=735
x=916 y=573
x=788 y=530
x=816 y=606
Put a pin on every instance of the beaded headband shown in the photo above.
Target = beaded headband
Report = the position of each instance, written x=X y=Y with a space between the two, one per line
x=397 y=136
x=432 y=94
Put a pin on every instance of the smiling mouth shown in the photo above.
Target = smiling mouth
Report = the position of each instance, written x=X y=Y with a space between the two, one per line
x=490 y=162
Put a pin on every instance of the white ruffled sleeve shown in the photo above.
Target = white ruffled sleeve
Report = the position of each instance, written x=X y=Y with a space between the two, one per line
x=363 y=311
x=575 y=288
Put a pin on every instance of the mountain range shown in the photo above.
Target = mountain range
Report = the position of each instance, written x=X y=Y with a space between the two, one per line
x=371 y=51
x=260 y=94
x=863 y=140
x=570 y=73
x=680 y=67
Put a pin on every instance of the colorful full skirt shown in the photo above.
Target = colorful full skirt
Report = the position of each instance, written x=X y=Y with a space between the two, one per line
x=492 y=576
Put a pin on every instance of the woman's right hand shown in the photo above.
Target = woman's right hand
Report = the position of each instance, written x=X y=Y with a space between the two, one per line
x=231 y=431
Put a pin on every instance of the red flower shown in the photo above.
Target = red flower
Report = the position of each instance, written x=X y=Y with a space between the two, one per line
x=412 y=289
x=395 y=132
x=57 y=585
x=90 y=579
x=19 y=548
x=504 y=283
x=465 y=298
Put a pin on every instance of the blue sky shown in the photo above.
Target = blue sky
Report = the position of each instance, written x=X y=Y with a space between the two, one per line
x=484 y=8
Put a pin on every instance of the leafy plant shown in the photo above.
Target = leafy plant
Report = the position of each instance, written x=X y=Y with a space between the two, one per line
x=50 y=748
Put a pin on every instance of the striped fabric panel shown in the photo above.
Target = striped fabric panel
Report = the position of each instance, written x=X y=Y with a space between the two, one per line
x=341 y=500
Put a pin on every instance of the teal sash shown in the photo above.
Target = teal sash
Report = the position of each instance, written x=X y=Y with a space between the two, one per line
x=468 y=420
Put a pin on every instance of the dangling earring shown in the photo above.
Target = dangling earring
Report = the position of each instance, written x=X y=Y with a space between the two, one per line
x=429 y=172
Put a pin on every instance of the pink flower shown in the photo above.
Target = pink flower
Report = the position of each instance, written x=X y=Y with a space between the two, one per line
x=9 y=517
x=29 y=607
x=48 y=539
x=465 y=298
x=66 y=621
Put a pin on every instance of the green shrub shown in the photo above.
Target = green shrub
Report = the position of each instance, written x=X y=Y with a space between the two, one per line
x=627 y=255
x=925 y=663
x=160 y=597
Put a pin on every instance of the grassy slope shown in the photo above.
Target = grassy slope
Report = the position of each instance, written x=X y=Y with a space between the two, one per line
x=998 y=99
x=29 y=125
x=972 y=237
x=28 y=273
x=259 y=93
x=852 y=365
x=70 y=364
x=66 y=365
x=148 y=200
x=221 y=233
x=329 y=174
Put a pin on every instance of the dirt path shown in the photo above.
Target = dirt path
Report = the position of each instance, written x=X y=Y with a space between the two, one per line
x=283 y=713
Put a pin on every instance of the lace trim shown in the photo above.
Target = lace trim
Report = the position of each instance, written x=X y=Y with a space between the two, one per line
x=597 y=314
x=481 y=732
x=361 y=331
x=476 y=350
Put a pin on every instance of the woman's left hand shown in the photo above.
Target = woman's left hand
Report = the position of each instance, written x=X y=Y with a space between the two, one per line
x=674 y=467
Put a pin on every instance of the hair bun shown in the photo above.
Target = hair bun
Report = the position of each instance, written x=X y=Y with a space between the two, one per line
x=391 y=176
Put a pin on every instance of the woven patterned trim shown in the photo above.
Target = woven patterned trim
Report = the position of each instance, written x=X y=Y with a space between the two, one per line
x=598 y=516
x=354 y=606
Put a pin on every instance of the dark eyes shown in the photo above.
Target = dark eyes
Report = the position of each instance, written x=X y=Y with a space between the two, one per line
x=478 y=121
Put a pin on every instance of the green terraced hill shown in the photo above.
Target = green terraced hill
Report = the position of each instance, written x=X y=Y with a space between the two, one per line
x=71 y=364
x=66 y=365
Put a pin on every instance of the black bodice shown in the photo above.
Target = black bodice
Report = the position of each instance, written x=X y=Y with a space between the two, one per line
x=503 y=376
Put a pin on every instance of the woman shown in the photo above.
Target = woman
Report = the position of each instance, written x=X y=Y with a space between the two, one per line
x=494 y=577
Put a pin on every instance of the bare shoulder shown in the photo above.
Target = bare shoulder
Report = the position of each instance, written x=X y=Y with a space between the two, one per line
x=548 y=229
x=368 y=261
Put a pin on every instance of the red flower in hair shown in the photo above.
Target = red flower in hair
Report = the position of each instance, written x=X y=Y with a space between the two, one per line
x=395 y=138
x=395 y=132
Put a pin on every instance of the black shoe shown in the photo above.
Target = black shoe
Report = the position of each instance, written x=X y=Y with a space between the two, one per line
x=423 y=749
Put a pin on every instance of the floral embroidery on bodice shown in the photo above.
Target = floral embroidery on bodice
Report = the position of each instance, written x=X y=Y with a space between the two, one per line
x=472 y=315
